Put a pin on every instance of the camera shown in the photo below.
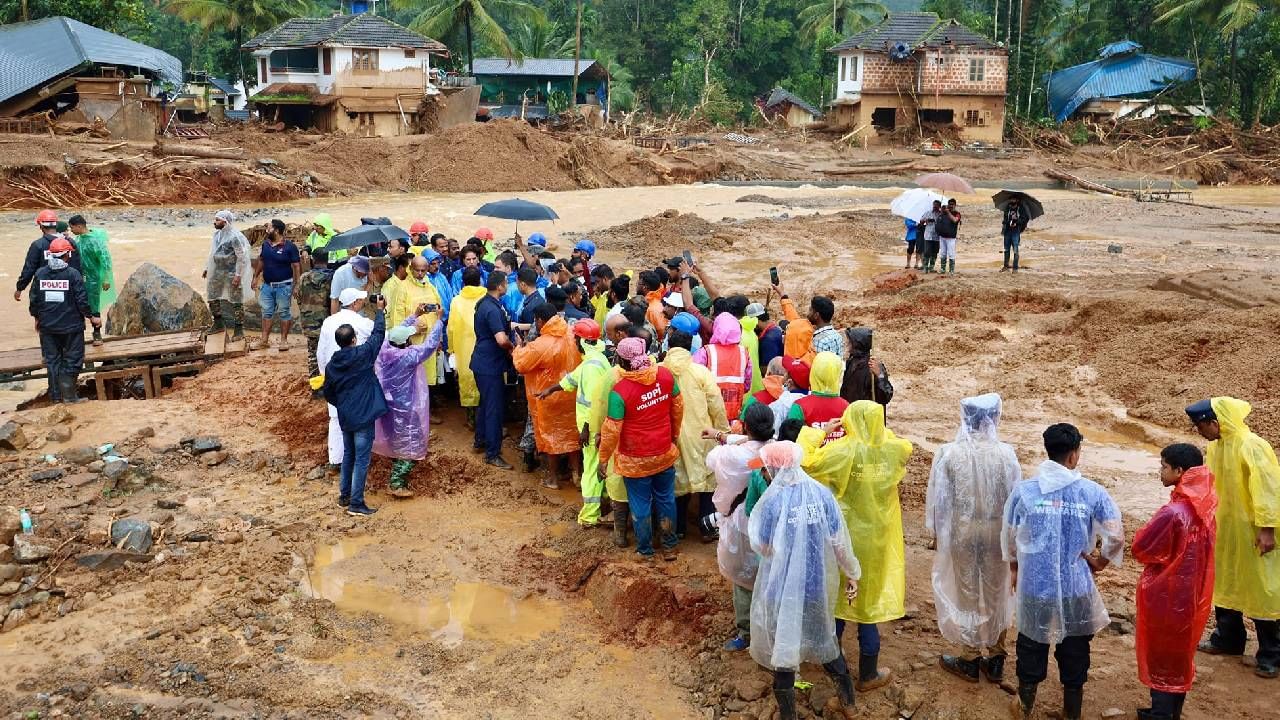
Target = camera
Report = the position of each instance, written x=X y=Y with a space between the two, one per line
x=709 y=523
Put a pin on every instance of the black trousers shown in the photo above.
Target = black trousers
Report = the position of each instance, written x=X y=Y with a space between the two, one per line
x=1230 y=636
x=63 y=354
x=1167 y=704
x=1072 y=655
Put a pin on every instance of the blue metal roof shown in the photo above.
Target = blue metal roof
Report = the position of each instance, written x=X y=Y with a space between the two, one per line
x=33 y=53
x=1121 y=71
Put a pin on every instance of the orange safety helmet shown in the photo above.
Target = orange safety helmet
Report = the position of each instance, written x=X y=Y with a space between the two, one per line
x=59 y=246
x=419 y=227
x=47 y=217
x=484 y=233
x=587 y=329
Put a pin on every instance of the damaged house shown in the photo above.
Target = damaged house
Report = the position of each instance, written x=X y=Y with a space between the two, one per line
x=80 y=73
x=359 y=74
x=914 y=69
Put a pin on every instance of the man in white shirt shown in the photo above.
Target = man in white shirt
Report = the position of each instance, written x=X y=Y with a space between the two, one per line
x=351 y=301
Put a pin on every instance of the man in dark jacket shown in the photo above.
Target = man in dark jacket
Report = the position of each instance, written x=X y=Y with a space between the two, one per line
x=864 y=377
x=60 y=305
x=351 y=386
x=1015 y=221
x=38 y=251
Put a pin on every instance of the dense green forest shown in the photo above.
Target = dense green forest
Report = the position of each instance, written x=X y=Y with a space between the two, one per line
x=720 y=55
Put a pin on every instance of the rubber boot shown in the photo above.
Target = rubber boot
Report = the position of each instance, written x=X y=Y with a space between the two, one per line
x=621 y=518
x=237 y=316
x=786 y=703
x=961 y=668
x=399 y=481
x=215 y=309
x=1072 y=703
x=993 y=668
x=69 y=386
x=55 y=386
x=952 y=271
x=843 y=702
x=1015 y=261
x=1025 y=702
x=1006 y=261
x=869 y=676
x=97 y=336
x=682 y=516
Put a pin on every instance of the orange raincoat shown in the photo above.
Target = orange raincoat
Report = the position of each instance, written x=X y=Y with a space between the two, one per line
x=797 y=342
x=543 y=363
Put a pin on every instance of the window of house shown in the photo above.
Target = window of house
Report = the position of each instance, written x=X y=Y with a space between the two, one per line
x=298 y=60
x=410 y=54
x=844 y=65
x=364 y=60
x=977 y=69
x=853 y=69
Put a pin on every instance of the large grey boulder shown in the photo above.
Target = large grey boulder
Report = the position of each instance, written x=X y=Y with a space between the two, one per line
x=155 y=301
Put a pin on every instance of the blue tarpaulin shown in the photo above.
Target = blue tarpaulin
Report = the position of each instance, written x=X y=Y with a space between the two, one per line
x=1120 y=71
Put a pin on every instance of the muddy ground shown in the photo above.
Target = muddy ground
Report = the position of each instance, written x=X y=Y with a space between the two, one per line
x=481 y=598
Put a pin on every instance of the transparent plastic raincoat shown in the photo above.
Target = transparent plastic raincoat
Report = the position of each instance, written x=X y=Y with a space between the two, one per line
x=228 y=256
x=1248 y=482
x=1175 y=592
x=863 y=469
x=799 y=532
x=95 y=263
x=462 y=342
x=968 y=487
x=738 y=562
x=402 y=432
x=1050 y=522
x=703 y=408
x=411 y=293
x=544 y=362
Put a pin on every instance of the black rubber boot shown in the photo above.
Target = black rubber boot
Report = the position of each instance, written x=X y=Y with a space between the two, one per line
x=97 y=336
x=69 y=387
x=964 y=669
x=621 y=518
x=215 y=309
x=682 y=516
x=870 y=677
x=1072 y=703
x=237 y=315
x=993 y=668
x=786 y=703
x=1026 y=700
x=838 y=670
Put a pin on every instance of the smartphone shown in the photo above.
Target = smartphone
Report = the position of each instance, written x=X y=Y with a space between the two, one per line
x=773 y=275
x=688 y=258
x=374 y=298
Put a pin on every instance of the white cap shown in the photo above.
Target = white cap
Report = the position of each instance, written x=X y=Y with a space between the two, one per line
x=350 y=295
x=675 y=300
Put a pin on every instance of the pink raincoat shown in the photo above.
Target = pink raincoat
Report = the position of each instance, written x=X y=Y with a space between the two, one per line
x=402 y=432
x=729 y=368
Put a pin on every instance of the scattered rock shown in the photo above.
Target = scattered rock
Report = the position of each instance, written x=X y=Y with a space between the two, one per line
x=14 y=619
x=9 y=572
x=6 y=556
x=1113 y=712
x=166 y=504
x=81 y=479
x=10 y=588
x=115 y=470
x=27 y=550
x=58 y=415
x=751 y=688
x=80 y=455
x=146 y=431
x=204 y=444
x=198 y=537
x=47 y=475
x=40 y=597
x=78 y=691
x=131 y=534
x=215 y=458
x=231 y=538
x=95 y=466
x=59 y=433
x=110 y=559
x=10 y=524
x=154 y=301
x=12 y=437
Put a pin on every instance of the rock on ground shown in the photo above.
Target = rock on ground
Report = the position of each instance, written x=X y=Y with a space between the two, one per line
x=110 y=559
x=27 y=550
x=12 y=437
x=155 y=301
x=133 y=533
x=10 y=524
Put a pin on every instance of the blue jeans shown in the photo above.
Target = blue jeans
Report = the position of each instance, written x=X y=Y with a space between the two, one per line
x=644 y=494
x=275 y=300
x=356 y=448
x=493 y=401
x=868 y=637
x=1011 y=243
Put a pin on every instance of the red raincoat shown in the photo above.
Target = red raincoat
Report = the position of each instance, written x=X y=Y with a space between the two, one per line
x=1175 y=592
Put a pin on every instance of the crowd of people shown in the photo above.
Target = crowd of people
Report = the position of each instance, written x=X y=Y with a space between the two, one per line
x=677 y=409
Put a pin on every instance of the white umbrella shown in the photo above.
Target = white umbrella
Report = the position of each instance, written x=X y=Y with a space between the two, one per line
x=914 y=203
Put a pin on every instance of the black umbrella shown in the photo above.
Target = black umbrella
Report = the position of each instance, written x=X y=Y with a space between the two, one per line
x=362 y=235
x=517 y=209
x=1033 y=206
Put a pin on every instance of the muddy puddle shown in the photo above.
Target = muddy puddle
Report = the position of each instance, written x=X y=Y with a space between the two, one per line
x=345 y=573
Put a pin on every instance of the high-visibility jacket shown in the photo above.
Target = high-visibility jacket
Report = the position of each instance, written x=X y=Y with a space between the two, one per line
x=728 y=364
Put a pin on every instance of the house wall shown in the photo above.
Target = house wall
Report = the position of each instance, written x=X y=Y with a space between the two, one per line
x=394 y=71
x=943 y=71
x=989 y=108
x=849 y=72
x=798 y=117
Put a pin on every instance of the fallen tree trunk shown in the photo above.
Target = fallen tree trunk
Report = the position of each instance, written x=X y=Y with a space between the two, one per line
x=197 y=151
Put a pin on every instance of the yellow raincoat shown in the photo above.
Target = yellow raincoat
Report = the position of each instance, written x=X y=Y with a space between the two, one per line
x=462 y=341
x=590 y=382
x=410 y=293
x=703 y=408
x=316 y=240
x=751 y=342
x=1247 y=477
x=863 y=470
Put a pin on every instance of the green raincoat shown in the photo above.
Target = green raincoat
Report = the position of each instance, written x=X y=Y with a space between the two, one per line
x=316 y=240
x=95 y=264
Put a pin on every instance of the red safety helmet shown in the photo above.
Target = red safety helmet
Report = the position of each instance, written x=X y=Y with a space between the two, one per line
x=60 y=246
x=484 y=233
x=47 y=217
x=587 y=329
x=419 y=227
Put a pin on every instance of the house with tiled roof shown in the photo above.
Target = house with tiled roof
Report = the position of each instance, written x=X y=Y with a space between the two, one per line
x=362 y=74
x=918 y=70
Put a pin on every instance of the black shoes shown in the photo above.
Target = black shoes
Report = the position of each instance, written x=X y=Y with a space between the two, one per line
x=966 y=670
x=343 y=501
x=993 y=668
x=498 y=462
x=360 y=511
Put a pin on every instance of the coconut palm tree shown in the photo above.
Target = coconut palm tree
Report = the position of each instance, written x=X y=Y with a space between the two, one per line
x=843 y=16
x=239 y=16
x=541 y=38
x=442 y=18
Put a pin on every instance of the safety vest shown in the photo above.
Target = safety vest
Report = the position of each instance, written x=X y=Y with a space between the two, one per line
x=646 y=416
x=728 y=364
x=819 y=410
x=583 y=400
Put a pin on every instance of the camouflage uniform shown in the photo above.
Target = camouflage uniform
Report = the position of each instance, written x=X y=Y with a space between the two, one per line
x=313 y=307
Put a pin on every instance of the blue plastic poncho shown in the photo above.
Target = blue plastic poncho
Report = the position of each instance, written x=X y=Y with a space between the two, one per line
x=402 y=432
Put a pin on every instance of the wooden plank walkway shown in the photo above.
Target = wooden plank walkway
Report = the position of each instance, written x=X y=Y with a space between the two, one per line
x=145 y=349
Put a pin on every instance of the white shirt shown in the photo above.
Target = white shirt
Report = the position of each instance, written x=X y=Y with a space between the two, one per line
x=328 y=343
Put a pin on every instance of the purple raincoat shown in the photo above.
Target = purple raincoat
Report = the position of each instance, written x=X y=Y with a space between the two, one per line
x=402 y=433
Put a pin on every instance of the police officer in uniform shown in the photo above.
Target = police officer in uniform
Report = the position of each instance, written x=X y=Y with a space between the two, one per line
x=60 y=305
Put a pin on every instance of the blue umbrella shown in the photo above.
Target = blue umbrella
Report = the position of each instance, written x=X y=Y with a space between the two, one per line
x=362 y=235
x=517 y=209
